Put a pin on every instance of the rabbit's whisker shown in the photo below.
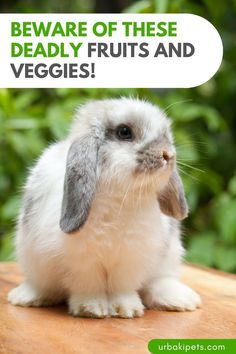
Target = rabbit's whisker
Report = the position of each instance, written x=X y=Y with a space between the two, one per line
x=134 y=188
x=189 y=166
x=187 y=174
x=166 y=109
x=124 y=198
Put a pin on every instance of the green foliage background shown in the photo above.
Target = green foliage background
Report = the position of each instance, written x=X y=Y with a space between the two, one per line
x=203 y=120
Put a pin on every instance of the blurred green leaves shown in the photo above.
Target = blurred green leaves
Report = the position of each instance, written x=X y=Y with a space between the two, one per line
x=204 y=125
x=29 y=122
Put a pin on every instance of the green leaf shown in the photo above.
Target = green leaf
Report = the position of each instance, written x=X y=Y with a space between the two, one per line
x=18 y=144
x=25 y=99
x=232 y=185
x=7 y=252
x=57 y=120
x=143 y=6
x=161 y=6
x=201 y=249
x=6 y=101
x=194 y=111
x=22 y=123
x=10 y=209
x=225 y=258
x=211 y=180
x=224 y=217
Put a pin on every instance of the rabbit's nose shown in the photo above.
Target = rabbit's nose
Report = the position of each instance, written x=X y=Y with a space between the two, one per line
x=168 y=155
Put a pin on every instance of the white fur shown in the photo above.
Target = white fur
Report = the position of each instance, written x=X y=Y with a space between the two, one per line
x=127 y=245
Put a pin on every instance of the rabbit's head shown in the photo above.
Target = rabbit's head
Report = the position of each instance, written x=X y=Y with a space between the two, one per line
x=119 y=144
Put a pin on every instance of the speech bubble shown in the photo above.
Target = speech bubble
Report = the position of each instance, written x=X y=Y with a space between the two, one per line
x=107 y=50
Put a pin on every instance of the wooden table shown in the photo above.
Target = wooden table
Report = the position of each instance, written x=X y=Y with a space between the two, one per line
x=52 y=330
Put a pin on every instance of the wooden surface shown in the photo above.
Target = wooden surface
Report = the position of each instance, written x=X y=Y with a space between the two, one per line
x=52 y=330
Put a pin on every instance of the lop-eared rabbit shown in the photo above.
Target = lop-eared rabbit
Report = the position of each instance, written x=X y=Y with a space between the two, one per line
x=99 y=225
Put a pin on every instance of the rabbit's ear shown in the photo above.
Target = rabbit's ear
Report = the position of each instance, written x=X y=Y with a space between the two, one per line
x=79 y=183
x=172 y=200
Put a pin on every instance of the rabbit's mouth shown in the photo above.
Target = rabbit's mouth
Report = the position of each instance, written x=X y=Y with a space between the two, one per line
x=150 y=161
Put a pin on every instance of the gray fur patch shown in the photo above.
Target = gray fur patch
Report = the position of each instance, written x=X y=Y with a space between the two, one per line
x=150 y=156
x=28 y=204
x=149 y=160
x=79 y=183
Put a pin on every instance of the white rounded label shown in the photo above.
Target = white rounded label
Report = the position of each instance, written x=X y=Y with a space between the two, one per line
x=107 y=50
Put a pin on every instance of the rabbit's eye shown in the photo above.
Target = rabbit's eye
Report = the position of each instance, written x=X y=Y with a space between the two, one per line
x=124 y=132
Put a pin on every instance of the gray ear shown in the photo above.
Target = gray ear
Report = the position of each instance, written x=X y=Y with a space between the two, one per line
x=79 y=183
x=172 y=200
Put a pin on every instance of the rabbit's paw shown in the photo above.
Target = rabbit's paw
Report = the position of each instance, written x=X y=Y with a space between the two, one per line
x=25 y=295
x=126 y=306
x=170 y=294
x=88 y=307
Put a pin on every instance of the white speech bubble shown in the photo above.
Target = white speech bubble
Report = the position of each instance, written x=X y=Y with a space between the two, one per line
x=137 y=66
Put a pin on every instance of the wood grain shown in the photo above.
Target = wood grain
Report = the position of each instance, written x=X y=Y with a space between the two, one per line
x=51 y=330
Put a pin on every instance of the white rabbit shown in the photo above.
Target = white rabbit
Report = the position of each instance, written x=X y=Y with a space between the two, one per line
x=99 y=224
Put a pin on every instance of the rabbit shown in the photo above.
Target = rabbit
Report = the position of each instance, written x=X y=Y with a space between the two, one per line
x=100 y=223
